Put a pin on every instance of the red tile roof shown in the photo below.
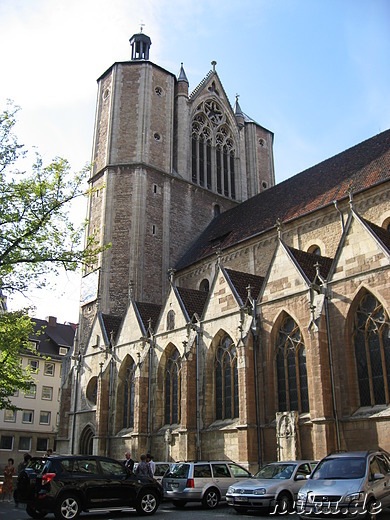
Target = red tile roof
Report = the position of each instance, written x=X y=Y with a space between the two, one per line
x=355 y=169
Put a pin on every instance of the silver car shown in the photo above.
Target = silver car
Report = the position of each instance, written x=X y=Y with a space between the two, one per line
x=273 y=488
x=205 y=482
x=353 y=484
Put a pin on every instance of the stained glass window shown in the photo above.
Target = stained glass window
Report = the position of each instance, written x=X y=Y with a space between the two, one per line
x=213 y=149
x=226 y=380
x=291 y=368
x=129 y=392
x=371 y=337
x=173 y=388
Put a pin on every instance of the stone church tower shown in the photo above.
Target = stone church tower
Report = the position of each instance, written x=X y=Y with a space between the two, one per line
x=165 y=163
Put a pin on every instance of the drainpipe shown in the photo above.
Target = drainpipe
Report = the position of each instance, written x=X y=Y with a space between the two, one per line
x=197 y=399
x=149 y=393
x=256 y=342
x=341 y=215
x=110 y=389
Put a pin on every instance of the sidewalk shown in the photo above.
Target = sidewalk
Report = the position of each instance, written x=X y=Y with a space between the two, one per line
x=9 y=511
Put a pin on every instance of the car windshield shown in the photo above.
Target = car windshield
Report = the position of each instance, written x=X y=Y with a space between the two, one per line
x=178 y=471
x=276 y=471
x=340 y=468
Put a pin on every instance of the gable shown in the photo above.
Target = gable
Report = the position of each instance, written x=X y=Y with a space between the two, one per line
x=172 y=304
x=284 y=278
x=222 y=300
x=359 y=251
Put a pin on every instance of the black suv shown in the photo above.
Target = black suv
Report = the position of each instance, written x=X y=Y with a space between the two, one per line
x=67 y=485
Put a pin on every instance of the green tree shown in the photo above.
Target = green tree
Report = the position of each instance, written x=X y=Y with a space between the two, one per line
x=37 y=236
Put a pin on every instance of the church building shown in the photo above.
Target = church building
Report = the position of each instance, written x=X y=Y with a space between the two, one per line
x=230 y=318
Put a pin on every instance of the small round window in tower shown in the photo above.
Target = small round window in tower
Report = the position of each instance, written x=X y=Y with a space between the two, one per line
x=106 y=94
x=264 y=185
x=157 y=136
x=261 y=142
x=158 y=91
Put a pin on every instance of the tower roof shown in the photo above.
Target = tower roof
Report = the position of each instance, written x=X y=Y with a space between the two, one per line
x=140 y=45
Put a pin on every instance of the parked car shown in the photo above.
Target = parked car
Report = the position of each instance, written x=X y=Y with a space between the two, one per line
x=205 y=482
x=273 y=488
x=68 y=485
x=349 y=484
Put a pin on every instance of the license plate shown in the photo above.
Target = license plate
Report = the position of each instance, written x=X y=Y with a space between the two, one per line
x=174 y=485
x=241 y=499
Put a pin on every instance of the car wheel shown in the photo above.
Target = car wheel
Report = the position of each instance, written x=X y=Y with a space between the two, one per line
x=210 y=498
x=371 y=510
x=179 y=503
x=147 y=503
x=241 y=510
x=284 y=504
x=68 y=508
x=35 y=513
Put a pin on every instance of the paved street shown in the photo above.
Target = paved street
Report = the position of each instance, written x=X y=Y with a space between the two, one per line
x=166 y=511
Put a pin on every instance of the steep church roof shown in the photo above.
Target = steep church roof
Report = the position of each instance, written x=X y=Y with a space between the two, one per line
x=355 y=169
x=193 y=300
x=307 y=262
x=242 y=281
x=382 y=234
x=148 y=311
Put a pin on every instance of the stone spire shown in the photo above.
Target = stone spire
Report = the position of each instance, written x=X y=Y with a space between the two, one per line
x=182 y=75
x=238 y=113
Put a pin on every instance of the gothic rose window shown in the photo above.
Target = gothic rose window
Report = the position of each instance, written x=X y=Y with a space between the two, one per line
x=129 y=392
x=173 y=388
x=226 y=380
x=291 y=368
x=371 y=338
x=213 y=149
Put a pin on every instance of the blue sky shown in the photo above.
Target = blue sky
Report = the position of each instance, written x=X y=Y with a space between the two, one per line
x=315 y=72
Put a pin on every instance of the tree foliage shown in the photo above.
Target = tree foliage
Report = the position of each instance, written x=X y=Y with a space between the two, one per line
x=36 y=233
x=37 y=237
x=15 y=329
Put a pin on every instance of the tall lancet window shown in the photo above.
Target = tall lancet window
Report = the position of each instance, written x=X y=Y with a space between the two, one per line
x=213 y=149
x=226 y=380
x=291 y=368
x=129 y=392
x=173 y=388
x=371 y=337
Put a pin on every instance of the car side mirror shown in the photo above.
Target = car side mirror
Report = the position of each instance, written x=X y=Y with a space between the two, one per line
x=377 y=476
x=301 y=477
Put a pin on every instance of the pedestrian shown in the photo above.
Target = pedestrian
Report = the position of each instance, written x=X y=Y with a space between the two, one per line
x=143 y=468
x=129 y=462
x=49 y=452
x=23 y=464
x=152 y=464
x=8 y=486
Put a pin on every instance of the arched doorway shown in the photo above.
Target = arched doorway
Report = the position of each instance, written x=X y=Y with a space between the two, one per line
x=86 y=441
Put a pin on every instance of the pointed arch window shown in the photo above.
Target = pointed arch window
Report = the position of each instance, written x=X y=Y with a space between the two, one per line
x=291 y=368
x=226 y=380
x=173 y=388
x=128 y=397
x=213 y=149
x=371 y=338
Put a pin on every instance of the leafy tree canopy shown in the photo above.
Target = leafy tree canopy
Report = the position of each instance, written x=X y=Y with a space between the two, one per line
x=37 y=237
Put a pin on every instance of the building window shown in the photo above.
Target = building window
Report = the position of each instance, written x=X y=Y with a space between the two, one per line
x=129 y=394
x=371 y=338
x=47 y=392
x=291 y=368
x=42 y=443
x=34 y=365
x=44 y=418
x=49 y=369
x=314 y=250
x=173 y=388
x=226 y=380
x=28 y=416
x=63 y=351
x=171 y=320
x=24 y=444
x=32 y=392
x=91 y=391
x=204 y=285
x=213 y=150
x=6 y=442
x=10 y=415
